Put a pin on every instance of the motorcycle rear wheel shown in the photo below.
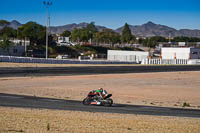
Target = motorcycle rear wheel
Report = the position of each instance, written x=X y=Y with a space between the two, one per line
x=109 y=102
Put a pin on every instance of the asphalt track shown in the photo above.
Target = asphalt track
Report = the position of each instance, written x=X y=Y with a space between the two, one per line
x=86 y=70
x=22 y=101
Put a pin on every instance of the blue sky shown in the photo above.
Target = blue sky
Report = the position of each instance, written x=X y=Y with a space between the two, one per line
x=179 y=14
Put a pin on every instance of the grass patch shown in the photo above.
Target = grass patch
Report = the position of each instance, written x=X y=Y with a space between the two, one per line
x=152 y=103
x=185 y=104
x=20 y=131
x=48 y=127
x=175 y=104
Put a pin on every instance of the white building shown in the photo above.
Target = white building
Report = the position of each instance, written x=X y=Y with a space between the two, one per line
x=180 y=53
x=64 y=41
x=129 y=56
x=17 y=50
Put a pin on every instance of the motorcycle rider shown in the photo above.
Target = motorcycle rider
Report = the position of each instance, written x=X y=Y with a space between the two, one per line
x=99 y=92
x=98 y=95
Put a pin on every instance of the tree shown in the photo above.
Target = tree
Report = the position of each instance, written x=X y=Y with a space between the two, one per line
x=91 y=27
x=150 y=43
x=66 y=33
x=34 y=32
x=8 y=32
x=75 y=35
x=141 y=40
x=80 y=35
x=20 y=34
x=6 y=44
x=92 y=30
x=114 y=37
x=4 y=22
x=185 y=39
x=107 y=36
x=159 y=39
x=126 y=37
x=84 y=35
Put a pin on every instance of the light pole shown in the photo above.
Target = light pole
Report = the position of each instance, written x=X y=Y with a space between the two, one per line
x=90 y=34
x=47 y=4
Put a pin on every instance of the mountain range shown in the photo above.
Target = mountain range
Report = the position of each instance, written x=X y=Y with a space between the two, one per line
x=151 y=29
x=148 y=29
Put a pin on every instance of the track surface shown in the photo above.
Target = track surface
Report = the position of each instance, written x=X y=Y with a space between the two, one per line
x=85 y=70
x=8 y=100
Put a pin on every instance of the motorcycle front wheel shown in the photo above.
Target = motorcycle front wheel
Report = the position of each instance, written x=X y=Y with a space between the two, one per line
x=86 y=101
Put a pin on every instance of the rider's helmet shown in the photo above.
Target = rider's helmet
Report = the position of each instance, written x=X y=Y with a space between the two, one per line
x=100 y=89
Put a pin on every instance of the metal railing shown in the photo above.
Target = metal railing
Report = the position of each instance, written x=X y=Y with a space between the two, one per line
x=15 y=59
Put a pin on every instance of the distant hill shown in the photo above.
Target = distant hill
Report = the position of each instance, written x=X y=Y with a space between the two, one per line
x=148 y=29
x=13 y=24
x=151 y=29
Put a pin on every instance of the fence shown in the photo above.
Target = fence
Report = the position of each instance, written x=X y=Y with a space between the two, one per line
x=15 y=59
x=165 y=61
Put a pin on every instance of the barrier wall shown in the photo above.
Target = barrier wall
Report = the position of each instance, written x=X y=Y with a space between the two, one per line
x=57 y=61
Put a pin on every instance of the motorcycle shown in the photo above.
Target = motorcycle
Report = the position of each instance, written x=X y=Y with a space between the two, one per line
x=93 y=99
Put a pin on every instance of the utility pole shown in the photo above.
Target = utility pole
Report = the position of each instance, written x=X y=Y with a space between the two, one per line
x=47 y=4
x=169 y=38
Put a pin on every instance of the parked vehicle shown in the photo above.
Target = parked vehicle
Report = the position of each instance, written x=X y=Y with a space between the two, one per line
x=62 y=57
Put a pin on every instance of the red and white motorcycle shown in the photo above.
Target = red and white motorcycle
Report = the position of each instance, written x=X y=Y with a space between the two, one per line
x=93 y=99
